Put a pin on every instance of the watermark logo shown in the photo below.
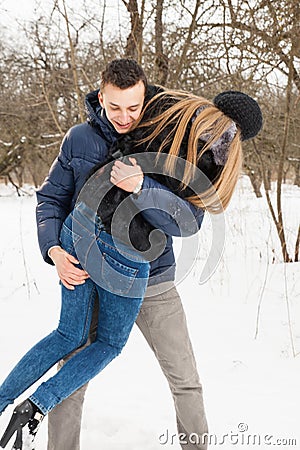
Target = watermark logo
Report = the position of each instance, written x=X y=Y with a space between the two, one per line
x=170 y=208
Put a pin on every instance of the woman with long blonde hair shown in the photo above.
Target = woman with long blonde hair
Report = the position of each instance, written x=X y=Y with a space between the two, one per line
x=189 y=144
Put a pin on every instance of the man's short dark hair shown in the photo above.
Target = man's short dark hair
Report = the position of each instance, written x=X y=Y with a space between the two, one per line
x=123 y=73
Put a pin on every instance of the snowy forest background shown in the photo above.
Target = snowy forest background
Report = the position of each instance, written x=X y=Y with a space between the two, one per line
x=244 y=321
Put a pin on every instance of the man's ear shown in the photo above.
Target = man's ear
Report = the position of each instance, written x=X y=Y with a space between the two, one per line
x=100 y=98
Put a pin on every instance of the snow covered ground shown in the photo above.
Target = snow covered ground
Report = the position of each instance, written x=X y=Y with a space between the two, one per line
x=244 y=323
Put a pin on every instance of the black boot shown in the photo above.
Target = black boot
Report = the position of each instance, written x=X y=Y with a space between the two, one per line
x=25 y=422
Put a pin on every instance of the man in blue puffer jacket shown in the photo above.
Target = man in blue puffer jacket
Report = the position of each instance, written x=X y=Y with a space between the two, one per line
x=111 y=112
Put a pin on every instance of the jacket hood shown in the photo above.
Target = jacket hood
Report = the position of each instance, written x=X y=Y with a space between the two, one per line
x=96 y=117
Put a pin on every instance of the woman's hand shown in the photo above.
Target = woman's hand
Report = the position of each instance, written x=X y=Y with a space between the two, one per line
x=126 y=177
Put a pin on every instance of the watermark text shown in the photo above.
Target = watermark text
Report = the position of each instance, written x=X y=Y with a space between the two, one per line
x=239 y=437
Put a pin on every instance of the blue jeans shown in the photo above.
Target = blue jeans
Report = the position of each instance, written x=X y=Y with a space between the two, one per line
x=117 y=314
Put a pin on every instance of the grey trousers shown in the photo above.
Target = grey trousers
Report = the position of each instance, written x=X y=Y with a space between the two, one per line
x=163 y=323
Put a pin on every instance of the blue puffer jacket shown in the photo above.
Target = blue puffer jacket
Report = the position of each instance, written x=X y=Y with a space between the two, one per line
x=83 y=146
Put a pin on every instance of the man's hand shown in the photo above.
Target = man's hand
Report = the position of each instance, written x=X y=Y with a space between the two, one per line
x=69 y=275
x=126 y=177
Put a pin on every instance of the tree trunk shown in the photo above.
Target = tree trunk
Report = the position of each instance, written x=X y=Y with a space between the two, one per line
x=74 y=66
x=135 y=37
x=297 y=174
x=256 y=182
x=161 y=60
x=268 y=179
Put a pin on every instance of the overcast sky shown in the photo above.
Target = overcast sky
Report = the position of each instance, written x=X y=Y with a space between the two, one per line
x=13 y=12
x=12 y=9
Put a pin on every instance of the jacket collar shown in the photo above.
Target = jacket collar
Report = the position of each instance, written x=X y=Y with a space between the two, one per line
x=96 y=117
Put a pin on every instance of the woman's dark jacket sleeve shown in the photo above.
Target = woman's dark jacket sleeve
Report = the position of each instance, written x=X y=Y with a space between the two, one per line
x=166 y=211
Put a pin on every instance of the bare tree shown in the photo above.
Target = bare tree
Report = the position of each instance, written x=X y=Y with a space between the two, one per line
x=188 y=40
x=73 y=42
x=268 y=30
x=161 y=59
x=276 y=210
x=135 y=37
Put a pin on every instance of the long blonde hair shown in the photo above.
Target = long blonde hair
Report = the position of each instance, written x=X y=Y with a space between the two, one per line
x=178 y=110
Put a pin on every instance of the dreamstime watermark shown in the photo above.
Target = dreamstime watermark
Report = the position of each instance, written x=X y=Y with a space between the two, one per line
x=239 y=437
x=99 y=185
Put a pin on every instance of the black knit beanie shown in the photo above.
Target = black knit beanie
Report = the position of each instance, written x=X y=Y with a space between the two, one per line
x=243 y=110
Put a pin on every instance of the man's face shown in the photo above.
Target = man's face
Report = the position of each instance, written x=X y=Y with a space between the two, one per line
x=122 y=106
